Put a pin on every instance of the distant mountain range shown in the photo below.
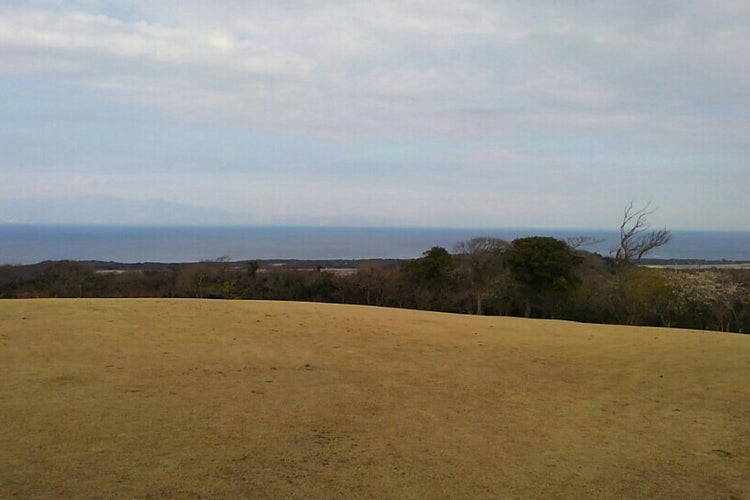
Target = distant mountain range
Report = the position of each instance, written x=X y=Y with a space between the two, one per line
x=110 y=210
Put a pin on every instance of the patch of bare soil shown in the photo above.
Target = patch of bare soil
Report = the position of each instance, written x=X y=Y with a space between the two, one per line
x=191 y=399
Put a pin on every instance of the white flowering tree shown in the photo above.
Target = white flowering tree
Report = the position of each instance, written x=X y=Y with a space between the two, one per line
x=705 y=299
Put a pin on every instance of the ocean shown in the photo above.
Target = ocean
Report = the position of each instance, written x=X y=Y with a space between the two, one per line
x=28 y=244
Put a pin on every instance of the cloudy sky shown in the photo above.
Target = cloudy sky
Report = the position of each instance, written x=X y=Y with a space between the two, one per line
x=399 y=113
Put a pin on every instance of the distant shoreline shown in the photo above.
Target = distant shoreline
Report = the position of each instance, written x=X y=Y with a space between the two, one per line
x=339 y=264
x=695 y=265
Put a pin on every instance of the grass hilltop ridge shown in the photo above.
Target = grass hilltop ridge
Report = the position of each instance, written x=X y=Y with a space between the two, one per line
x=178 y=398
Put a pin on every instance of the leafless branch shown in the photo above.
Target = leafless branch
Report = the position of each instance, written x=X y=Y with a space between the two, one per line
x=636 y=237
x=480 y=244
x=577 y=242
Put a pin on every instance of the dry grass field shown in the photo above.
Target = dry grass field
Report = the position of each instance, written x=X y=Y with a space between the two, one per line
x=194 y=399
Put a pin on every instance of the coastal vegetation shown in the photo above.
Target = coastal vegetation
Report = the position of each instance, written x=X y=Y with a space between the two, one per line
x=492 y=279
x=535 y=277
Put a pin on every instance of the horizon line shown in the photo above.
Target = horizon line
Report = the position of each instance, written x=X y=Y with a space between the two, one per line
x=156 y=225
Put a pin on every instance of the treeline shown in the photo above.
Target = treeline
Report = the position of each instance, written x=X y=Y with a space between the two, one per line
x=536 y=277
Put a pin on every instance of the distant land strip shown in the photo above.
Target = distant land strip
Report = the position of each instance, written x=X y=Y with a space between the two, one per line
x=333 y=264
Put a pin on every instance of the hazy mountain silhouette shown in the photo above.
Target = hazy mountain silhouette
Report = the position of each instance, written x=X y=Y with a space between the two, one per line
x=110 y=210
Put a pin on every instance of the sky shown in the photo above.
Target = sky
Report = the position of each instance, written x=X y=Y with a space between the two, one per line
x=497 y=114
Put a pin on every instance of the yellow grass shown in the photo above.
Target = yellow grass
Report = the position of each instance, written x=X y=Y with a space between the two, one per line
x=180 y=398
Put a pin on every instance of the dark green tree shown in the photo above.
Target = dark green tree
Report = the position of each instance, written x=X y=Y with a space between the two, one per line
x=434 y=265
x=544 y=269
x=431 y=276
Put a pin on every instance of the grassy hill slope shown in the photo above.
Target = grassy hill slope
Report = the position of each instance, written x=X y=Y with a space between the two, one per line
x=181 y=398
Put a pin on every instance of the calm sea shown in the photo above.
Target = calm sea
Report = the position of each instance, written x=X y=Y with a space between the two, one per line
x=26 y=244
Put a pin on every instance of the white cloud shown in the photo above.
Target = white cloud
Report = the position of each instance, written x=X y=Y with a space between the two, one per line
x=379 y=66
x=539 y=87
x=78 y=35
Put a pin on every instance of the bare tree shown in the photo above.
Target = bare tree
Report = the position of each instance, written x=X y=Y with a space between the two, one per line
x=576 y=242
x=636 y=236
x=480 y=244
x=483 y=255
x=636 y=240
